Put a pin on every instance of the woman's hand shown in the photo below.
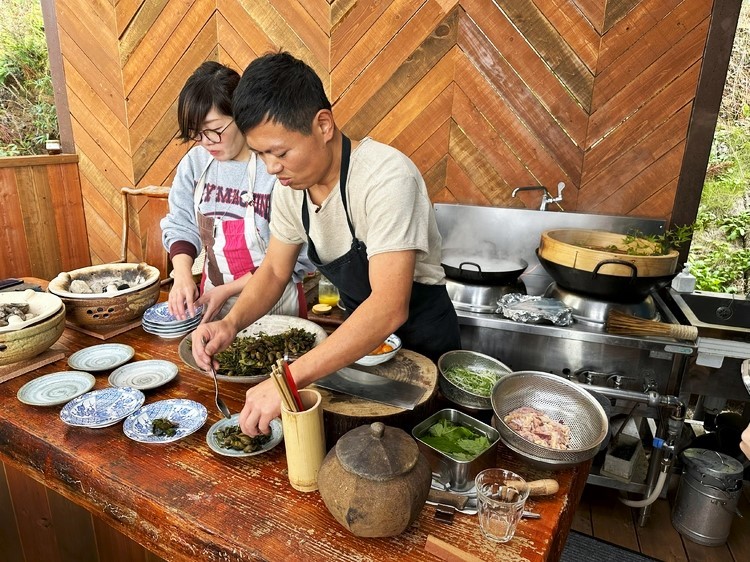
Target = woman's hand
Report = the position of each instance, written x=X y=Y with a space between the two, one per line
x=212 y=301
x=182 y=297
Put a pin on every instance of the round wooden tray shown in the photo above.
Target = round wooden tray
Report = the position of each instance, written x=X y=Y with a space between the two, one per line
x=584 y=250
x=342 y=413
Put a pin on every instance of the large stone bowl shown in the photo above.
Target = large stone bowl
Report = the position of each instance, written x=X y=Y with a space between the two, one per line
x=106 y=309
x=32 y=340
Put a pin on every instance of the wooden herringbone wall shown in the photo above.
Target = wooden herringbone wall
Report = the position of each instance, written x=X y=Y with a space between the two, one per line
x=484 y=95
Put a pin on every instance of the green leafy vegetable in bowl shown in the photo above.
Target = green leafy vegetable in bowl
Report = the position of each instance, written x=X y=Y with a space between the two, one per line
x=476 y=381
x=457 y=441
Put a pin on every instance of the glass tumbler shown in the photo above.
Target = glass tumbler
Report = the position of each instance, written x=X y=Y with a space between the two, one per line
x=501 y=496
x=327 y=292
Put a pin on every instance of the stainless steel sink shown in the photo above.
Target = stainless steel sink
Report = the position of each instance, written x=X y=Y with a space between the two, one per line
x=719 y=311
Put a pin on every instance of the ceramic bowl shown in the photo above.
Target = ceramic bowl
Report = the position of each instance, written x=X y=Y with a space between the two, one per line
x=29 y=342
x=188 y=415
x=41 y=306
x=108 y=308
x=369 y=360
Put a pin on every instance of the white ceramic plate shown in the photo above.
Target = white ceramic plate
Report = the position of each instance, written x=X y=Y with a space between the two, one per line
x=55 y=388
x=277 y=435
x=159 y=315
x=144 y=375
x=271 y=324
x=101 y=408
x=41 y=305
x=369 y=360
x=187 y=414
x=101 y=357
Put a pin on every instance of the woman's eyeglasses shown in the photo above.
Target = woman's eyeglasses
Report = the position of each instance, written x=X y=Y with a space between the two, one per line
x=211 y=135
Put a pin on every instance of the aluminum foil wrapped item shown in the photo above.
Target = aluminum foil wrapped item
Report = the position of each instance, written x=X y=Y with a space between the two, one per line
x=534 y=310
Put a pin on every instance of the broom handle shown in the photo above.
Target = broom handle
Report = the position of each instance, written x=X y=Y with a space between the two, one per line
x=681 y=332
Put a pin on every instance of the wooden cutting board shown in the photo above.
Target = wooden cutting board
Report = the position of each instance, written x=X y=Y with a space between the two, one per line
x=342 y=413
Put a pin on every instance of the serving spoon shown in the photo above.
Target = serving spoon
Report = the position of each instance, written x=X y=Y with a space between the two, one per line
x=219 y=402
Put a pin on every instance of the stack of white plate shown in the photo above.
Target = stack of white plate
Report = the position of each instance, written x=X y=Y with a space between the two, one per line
x=159 y=321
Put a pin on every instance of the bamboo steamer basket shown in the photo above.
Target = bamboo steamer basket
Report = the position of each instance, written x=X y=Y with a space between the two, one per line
x=585 y=249
x=29 y=342
x=101 y=310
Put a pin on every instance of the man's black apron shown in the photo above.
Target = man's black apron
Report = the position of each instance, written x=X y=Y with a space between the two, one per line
x=432 y=326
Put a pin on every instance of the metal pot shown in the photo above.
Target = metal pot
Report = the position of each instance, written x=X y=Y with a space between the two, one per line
x=707 y=497
x=612 y=287
x=483 y=270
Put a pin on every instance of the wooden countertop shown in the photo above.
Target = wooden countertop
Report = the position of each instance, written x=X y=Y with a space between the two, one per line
x=186 y=503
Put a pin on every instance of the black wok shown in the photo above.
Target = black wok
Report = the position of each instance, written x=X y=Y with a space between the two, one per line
x=483 y=271
x=608 y=287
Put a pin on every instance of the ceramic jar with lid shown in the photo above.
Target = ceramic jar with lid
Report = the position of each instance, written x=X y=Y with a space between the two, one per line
x=375 y=481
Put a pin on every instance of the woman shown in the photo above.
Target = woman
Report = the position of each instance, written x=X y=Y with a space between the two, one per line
x=221 y=201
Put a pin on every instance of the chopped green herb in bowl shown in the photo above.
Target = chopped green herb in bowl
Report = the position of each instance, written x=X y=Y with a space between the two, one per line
x=476 y=381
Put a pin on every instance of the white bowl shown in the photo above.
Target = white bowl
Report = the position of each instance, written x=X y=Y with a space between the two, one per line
x=369 y=360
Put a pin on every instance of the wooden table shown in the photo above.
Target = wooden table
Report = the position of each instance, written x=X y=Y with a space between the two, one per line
x=186 y=503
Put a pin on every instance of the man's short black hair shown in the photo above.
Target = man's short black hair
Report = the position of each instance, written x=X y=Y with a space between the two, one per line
x=279 y=88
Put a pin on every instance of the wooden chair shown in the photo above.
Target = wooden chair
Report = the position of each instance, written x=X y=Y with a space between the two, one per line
x=149 y=214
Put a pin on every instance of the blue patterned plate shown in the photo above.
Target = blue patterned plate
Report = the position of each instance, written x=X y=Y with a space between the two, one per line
x=187 y=414
x=144 y=375
x=101 y=408
x=159 y=314
x=101 y=357
x=277 y=435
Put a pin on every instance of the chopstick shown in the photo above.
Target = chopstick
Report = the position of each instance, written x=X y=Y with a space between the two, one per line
x=284 y=366
x=283 y=387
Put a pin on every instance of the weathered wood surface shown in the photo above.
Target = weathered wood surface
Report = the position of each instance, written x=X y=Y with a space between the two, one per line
x=185 y=503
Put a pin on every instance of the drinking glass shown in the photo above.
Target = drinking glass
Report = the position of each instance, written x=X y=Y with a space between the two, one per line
x=327 y=292
x=501 y=496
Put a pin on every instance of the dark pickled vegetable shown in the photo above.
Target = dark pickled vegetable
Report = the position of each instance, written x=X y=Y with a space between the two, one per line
x=256 y=355
x=162 y=427
x=231 y=437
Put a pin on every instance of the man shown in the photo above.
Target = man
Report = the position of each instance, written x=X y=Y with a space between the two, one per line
x=364 y=210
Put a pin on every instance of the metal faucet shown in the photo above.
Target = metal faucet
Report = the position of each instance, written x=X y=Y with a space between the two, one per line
x=546 y=196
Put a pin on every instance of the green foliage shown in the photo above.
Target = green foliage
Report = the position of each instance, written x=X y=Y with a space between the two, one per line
x=28 y=115
x=640 y=244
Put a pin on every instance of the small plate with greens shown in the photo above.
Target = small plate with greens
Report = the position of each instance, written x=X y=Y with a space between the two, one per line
x=165 y=421
x=467 y=378
x=226 y=438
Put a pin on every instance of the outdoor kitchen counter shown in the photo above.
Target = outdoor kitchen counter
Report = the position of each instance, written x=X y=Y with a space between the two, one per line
x=186 y=503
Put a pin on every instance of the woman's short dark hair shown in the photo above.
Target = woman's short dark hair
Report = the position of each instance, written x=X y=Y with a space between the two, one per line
x=211 y=85
x=279 y=88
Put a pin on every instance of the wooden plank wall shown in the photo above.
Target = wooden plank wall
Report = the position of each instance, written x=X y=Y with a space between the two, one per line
x=484 y=95
x=42 y=226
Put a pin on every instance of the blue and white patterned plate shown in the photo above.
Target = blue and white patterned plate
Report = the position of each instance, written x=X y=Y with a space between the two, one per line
x=144 y=375
x=101 y=357
x=187 y=414
x=159 y=314
x=55 y=388
x=277 y=435
x=101 y=408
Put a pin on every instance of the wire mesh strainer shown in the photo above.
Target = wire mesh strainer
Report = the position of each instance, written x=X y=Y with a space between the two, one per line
x=559 y=399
